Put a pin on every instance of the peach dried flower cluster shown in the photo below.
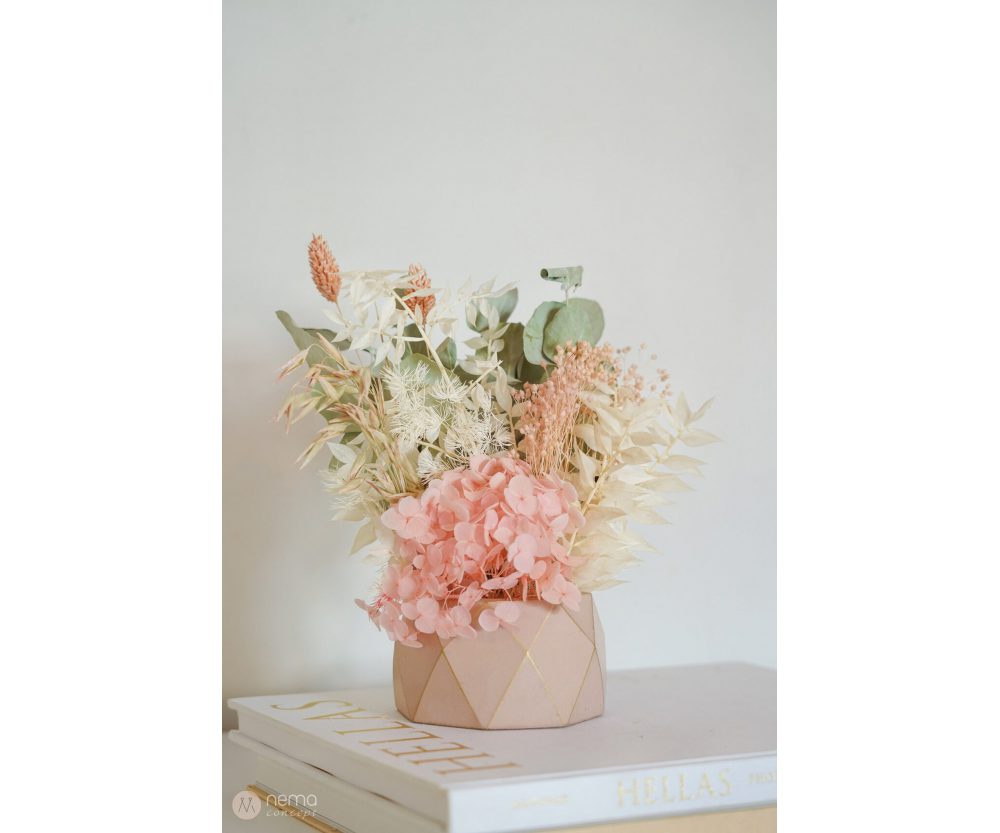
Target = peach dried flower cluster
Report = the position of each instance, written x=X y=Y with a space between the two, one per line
x=489 y=531
x=552 y=409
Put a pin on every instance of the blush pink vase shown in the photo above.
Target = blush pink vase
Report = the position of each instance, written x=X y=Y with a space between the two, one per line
x=545 y=670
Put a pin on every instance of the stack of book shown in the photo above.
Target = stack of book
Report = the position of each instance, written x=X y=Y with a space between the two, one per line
x=678 y=750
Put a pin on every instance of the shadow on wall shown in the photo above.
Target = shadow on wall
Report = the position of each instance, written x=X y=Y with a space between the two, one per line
x=289 y=619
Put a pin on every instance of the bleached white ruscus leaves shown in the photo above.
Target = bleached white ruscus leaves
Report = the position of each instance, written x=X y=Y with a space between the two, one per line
x=627 y=461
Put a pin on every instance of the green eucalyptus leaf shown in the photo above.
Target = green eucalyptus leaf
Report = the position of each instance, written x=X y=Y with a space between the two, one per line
x=513 y=349
x=447 y=351
x=503 y=304
x=463 y=375
x=533 y=373
x=329 y=335
x=580 y=319
x=306 y=337
x=412 y=331
x=534 y=330
x=301 y=338
x=415 y=359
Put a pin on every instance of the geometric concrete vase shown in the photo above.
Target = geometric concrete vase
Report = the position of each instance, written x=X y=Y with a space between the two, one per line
x=545 y=670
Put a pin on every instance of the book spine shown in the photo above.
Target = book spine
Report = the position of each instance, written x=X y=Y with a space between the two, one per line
x=614 y=796
x=346 y=807
x=426 y=799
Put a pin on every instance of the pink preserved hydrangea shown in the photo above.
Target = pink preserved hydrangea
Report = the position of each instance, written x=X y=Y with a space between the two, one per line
x=492 y=530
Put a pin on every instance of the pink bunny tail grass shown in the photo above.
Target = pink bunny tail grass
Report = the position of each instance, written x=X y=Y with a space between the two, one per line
x=325 y=271
x=419 y=280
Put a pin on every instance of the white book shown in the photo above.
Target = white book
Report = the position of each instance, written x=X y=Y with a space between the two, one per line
x=330 y=805
x=340 y=805
x=671 y=741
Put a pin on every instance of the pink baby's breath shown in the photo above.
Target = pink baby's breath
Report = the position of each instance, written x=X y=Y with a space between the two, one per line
x=552 y=409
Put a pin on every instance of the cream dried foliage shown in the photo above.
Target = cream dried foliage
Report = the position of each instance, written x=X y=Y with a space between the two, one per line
x=591 y=423
x=625 y=462
x=391 y=310
x=369 y=470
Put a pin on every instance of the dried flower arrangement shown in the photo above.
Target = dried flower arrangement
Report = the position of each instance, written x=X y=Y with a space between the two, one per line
x=508 y=474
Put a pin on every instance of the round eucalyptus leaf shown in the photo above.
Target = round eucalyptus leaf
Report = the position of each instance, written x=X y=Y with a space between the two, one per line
x=513 y=349
x=580 y=319
x=534 y=330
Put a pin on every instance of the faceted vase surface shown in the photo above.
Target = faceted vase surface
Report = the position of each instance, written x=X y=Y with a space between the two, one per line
x=545 y=670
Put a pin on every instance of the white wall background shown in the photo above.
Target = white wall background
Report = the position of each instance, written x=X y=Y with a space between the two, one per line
x=481 y=139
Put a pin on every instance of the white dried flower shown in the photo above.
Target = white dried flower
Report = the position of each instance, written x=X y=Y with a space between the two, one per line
x=501 y=438
x=448 y=389
x=406 y=382
x=412 y=417
x=466 y=433
x=428 y=465
x=412 y=421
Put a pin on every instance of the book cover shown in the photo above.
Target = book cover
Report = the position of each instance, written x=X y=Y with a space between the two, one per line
x=676 y=740
x=328 y=804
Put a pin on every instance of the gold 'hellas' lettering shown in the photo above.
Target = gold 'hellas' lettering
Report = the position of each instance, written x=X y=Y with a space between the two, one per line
x=673 y=787
x=668 y=795
x=724 y=780
x=680 y=791
x=624 y=789
x=705 y=786
x=648 y=790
